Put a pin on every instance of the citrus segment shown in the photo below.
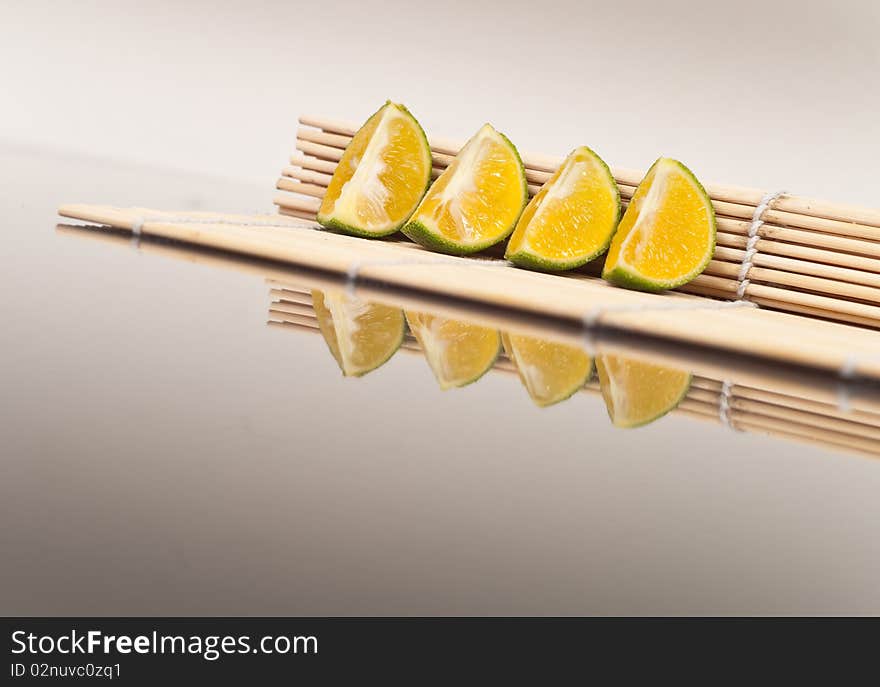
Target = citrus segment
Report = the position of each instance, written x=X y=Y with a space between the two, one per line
x=457 y=352
x=551 y=372
x=381 y=176
x=361 y=336
x=637 y=392
x=667 y=235
x=476 y=201
x=571 y=219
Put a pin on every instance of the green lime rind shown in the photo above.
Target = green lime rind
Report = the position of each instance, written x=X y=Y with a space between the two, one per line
x=580 y=385
x=329 y=222
x=445 y=386
x=417 y=231
x=532 y=261
x=646 y=421
x=342 y=228
x=479 y=375
x=391 y=351
x=511 y=352
x=629 y=279
x=327 y=327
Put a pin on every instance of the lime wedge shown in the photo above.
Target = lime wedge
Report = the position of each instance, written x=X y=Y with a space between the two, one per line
x=476 y=201
x=381 y=177
x=551 y=372
x=571 y=220
x=667 y=235
x=457 y=352
x=361 y=336
x=637 y=393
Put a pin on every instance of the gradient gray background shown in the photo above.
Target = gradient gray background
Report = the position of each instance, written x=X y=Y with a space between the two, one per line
x=165 y=452
x=768 y=94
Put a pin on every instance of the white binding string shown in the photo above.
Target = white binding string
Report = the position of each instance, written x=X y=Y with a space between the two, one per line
x=137 y=227
x=138 y=223
x=752 y=244
x=591 y=317
x=354 y=269
x=847 y=374
x=724 y=406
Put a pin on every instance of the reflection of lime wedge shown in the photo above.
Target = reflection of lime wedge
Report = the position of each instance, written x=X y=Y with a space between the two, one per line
x=361 y=336
x=381 y=177
x=476 y=201
x=458 y=352
x=550 y=371
x=636 y=392
x=667 y=235
x=571 y=219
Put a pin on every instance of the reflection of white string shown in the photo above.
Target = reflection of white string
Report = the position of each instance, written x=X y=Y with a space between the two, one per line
x=847 y=374
x=136 y=231
x=591 y=318
x=724 y=405
x=752 y=243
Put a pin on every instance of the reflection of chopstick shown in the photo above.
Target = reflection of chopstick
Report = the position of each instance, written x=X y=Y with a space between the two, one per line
x=750 y=409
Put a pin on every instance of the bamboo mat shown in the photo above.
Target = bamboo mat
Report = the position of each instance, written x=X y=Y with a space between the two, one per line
x=782 y=251
x=584 y=306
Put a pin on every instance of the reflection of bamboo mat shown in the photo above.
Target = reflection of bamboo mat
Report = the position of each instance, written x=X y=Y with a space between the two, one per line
x=580 y=303
x=750 y=409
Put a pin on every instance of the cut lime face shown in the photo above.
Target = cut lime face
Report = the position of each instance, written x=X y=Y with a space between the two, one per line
x=667 y=235
x=476 y=201
x=361 y=336
x=551 y=372
x=458 y=353
x=381 y=177
x=571 y=220
x=637 y=393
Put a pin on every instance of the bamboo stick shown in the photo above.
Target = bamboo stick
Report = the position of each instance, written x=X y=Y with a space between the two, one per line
x=790 y=204
x=705 y=416
x=808 y=267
